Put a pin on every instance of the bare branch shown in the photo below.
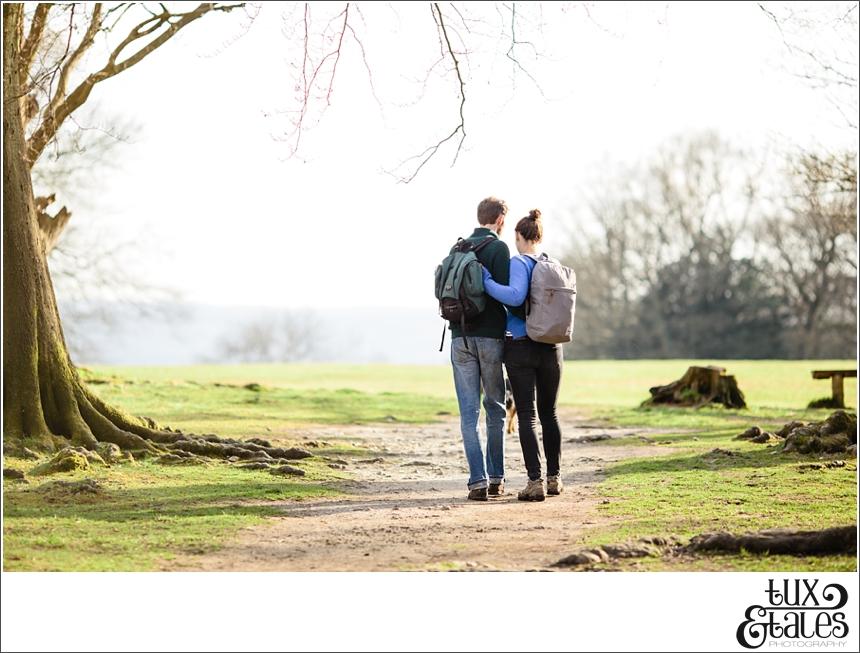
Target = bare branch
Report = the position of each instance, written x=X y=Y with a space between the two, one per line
x=52 y=120
x=337 y=54
x=839 y=77
x=70 y=61
x=318 y=75
x=34 y=37
x=511 y=54
x=56 y=68
x=366 y=66
x=121 y=10
x=428 y=153
x=776 y=22
x=144 y=28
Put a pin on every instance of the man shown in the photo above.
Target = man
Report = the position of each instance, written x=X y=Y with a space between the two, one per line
x=476 y=356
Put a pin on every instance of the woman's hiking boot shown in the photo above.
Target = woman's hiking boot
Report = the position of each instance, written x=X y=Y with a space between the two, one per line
x=554 y=486
x=533 y=491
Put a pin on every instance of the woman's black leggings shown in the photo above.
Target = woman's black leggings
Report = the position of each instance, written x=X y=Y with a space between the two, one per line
x=534 y=369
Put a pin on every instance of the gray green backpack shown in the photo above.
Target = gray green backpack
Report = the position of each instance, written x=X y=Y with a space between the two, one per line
x=551 y=303
x=460 y=284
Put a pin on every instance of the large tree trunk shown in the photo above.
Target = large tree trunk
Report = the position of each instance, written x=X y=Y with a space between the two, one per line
x=44 y=401
x=46 y=405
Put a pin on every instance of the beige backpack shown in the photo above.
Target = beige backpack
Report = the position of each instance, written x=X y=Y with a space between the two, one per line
x=551 y=302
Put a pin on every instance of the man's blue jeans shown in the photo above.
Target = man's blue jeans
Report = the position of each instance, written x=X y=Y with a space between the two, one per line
x=477 y=363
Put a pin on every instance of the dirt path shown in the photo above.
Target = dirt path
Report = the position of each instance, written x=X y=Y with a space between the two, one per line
x=406 y=508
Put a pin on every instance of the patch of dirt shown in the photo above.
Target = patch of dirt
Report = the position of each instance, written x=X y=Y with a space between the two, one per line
x=406 y=508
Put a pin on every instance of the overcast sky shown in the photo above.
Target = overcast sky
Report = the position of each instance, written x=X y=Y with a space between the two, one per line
x=225 y=216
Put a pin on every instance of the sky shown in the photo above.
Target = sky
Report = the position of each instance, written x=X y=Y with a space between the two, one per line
x=227 y=217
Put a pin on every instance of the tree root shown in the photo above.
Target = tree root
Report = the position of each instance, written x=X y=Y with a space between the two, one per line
x=81 y=421
x=841 y=540
x=830 y=541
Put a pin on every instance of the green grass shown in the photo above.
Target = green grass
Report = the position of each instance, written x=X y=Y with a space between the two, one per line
x=298 y=394
x=151 y=513
x=426 y=380
x=714 y=417
x=694 y=490
x=741 y=562
x=620 y=384
x=267 y=410
x=147 y=515
x=766 y=384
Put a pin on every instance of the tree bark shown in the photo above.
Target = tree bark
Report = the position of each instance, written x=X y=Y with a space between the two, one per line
x=45 y=404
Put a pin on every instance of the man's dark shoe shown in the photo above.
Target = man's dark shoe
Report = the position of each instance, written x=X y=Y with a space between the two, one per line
x=496 y=489
x=478 y=494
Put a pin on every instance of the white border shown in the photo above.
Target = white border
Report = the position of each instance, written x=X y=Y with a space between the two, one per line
x=682 y=611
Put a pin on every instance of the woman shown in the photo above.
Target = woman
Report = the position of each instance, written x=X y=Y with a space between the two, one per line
x=534 y=368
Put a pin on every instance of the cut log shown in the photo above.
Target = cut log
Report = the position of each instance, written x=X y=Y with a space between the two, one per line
x=698 y=387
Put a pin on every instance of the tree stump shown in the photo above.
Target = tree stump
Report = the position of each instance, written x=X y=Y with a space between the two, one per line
x=699 y=386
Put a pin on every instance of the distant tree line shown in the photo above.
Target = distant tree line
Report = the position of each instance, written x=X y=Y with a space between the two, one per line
x=700 y=252
x=291 y=337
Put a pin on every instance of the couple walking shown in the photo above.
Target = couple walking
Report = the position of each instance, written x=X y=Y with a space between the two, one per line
x=485 y=337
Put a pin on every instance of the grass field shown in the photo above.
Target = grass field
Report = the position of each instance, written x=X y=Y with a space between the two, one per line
x=712 y=482
x=150 y=513
x=334 y=393
x=146 y=515
x=782 y=384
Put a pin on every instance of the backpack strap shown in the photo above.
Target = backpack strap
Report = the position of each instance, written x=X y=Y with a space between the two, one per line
x=474 y=248
x=536 y=259
x=479 y=246
x=463 y=245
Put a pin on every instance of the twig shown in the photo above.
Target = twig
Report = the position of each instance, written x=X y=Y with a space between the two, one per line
x=428 y=153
